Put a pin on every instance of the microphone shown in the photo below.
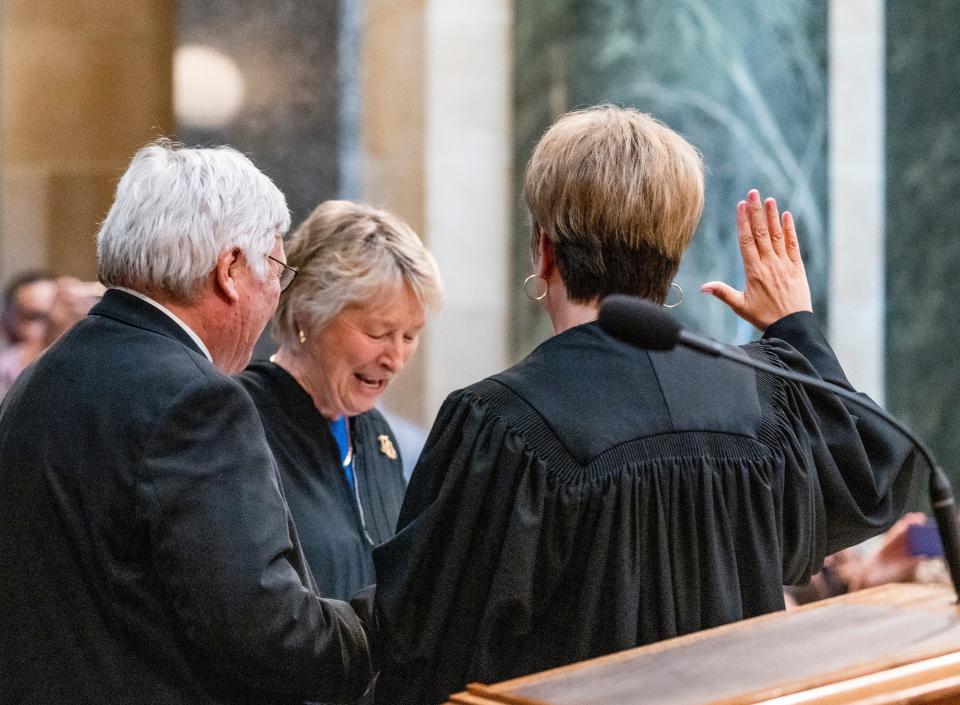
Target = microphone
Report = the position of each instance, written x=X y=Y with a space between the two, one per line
x=645 y=325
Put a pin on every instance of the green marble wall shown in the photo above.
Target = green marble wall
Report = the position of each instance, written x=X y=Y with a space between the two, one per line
x=745 y=82
x=923 y=213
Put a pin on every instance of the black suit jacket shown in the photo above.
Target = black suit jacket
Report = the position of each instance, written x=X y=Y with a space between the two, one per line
x=147 y=554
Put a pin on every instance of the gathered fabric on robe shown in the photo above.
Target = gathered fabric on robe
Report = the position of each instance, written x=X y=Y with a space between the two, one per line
x=338 y=524
x=597 y=497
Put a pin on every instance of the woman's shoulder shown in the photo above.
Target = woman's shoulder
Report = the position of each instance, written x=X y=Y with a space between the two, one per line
x=587 y=393
x=255 y=375
x=374 y=420
x=269 y=384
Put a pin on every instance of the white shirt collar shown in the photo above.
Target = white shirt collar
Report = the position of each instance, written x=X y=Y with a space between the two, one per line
x=164 y=309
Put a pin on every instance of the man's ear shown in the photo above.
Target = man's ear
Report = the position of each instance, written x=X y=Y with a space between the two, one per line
x=226 y=273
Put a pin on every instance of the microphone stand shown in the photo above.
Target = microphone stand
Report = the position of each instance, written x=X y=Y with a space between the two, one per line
x=941 y=495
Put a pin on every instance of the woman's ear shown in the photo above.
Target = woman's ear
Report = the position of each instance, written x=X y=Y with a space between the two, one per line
x=545 y=261
x=226 y=273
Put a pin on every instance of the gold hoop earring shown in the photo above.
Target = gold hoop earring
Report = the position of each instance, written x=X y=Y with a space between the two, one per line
x=302 y=337
x=674 y=285
x=546 y=287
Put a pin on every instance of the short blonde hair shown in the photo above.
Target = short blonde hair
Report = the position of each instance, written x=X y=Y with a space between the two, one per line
x=619 y=195
x=348 y=252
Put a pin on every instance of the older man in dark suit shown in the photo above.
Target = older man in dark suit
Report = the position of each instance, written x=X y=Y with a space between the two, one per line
x=147 y=554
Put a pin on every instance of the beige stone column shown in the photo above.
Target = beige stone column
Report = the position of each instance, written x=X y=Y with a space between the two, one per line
x=436 y=137
x=392 y=139
x=84 y=82
x=857 y=191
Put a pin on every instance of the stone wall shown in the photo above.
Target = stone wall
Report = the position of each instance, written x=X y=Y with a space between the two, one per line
x=84 y=83
x=288 y=121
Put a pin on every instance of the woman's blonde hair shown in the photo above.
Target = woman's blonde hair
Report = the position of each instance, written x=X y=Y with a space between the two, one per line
x=347 y=253
x=619 y=195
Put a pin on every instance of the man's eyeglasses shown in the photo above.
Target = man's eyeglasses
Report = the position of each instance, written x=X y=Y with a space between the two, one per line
x=287 y=274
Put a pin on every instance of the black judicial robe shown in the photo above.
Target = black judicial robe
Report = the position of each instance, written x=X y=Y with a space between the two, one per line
x=597 y=497
x=338 y=527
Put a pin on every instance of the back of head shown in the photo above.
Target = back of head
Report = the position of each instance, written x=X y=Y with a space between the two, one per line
x=347 y=253
x=619 y=195
x=177 y=209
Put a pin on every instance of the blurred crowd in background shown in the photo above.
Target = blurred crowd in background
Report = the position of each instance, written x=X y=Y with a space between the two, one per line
x=37 y=308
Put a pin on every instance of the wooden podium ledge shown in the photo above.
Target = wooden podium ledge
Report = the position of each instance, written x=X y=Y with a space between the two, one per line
x=891 y=644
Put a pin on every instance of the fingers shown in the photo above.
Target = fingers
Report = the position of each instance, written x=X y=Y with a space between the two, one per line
x=748 y=245
x=775 y=284
x=768 y=230
x=726 y=293
x=773 y=226
x=791 y=241
x=758 y=223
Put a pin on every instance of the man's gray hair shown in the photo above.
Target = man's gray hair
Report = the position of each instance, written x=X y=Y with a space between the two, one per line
x=177 y=209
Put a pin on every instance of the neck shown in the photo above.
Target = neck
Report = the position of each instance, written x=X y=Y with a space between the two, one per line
x=564 y=313
x=572 y=315
x=216 y=325
x=294 y=365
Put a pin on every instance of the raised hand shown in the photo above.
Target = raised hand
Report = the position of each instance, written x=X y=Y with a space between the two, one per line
x=776 y=282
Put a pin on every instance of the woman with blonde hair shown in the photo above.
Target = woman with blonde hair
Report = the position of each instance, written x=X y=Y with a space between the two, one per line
x=346 y=325
x=595 y=496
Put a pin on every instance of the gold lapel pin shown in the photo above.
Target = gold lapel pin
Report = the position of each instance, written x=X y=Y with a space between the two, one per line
x=386 y=447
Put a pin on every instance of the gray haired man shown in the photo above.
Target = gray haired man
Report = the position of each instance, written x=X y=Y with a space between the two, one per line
x=147 y=554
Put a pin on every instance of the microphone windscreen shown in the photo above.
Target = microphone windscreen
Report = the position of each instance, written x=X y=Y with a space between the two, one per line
x=638 y=322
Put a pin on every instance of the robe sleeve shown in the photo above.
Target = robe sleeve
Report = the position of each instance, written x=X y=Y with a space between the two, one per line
x=863 y=467
x=434 y=577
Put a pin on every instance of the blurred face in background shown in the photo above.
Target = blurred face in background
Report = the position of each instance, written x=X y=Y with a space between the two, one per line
x=29 y=312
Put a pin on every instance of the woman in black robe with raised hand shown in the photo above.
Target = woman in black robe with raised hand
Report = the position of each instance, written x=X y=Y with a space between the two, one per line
x=597 y=497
